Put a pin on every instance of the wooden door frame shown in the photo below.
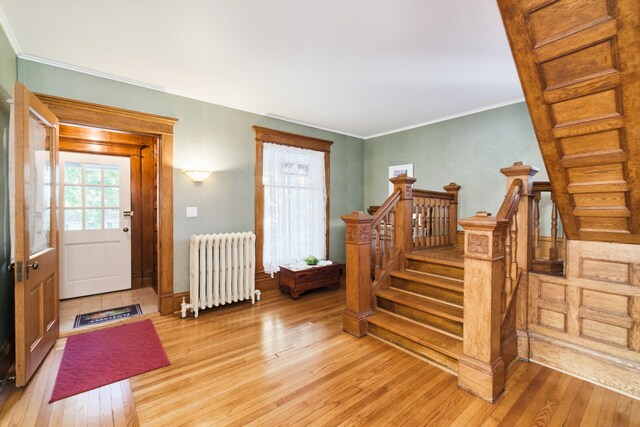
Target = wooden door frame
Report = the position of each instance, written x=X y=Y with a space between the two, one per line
x=140 y=150
x=82 y=113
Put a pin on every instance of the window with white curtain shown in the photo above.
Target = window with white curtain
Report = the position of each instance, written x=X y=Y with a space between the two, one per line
x=295 y=200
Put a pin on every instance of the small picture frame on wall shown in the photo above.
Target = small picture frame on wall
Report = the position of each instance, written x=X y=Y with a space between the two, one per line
x=399 y=170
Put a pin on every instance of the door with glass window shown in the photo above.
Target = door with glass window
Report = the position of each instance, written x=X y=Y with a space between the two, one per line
x=34 y=241
x=95 y=237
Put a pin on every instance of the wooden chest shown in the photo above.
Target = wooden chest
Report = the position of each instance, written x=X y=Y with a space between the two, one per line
x=297 y=282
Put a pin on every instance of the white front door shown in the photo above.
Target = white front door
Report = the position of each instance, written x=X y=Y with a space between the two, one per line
x=95 y=238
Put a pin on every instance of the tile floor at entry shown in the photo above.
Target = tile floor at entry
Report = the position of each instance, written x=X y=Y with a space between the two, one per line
x=69 y=308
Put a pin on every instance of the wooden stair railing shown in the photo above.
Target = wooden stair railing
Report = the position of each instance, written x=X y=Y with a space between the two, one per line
x=435 y=217
x=377 y=243
x=384 y=251
x=384 y=255
x=511 y=272
x=497 y=253
x=553 y=262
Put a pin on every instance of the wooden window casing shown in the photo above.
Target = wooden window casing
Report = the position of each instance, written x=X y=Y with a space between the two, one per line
x=263 y=135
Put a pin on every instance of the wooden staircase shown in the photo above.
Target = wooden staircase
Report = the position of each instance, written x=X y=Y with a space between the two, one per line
x=406 y=281
x=421 y=311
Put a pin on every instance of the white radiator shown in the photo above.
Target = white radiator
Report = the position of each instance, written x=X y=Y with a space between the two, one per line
x=222 y=270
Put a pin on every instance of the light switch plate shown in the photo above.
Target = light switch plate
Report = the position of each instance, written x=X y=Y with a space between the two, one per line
x=192 y=212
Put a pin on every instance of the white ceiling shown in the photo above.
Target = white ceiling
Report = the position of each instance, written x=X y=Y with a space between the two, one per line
x=359 y=67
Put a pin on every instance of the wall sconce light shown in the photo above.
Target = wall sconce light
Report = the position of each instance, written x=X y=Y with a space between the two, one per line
x=197 y=175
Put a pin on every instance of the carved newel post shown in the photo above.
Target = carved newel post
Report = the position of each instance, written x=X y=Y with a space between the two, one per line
x=404 y=214
x=524 y=248
x=358 y=280
x=481 y=369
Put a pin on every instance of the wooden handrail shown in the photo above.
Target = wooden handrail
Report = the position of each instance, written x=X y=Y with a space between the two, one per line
x=511 y=200
x=541 y=186
x=433 y=194
x=386 y=207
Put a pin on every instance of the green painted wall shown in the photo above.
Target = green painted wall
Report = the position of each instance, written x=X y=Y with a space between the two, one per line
x=7 y=78
x=212 y=137
x=469 y=150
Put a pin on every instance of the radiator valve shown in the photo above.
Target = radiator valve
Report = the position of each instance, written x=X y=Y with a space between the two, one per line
x=184 y=307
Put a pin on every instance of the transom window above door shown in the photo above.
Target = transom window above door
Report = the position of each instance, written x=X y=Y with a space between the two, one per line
x=91 y=196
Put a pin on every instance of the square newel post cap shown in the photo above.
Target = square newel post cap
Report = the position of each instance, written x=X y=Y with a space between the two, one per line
x=451 y=187
x=482 y=221
x=401 y=179
x=520 y=169
x=357 y=217
x=403 y=183
x=358 y=228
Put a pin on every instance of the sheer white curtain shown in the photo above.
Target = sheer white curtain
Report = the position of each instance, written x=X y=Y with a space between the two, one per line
x=295 y=200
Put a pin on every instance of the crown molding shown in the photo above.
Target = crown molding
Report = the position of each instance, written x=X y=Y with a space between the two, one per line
x=311 y=125
x=114 y=77
x=4 y=23
x=451 y=117
x=57 y=64
x=83 y=70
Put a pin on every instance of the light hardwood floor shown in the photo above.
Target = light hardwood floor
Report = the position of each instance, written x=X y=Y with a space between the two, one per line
x=70 y=308
x=285 y=362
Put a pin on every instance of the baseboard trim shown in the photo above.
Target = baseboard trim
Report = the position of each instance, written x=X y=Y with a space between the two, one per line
x=265 y=282
x=604 y=370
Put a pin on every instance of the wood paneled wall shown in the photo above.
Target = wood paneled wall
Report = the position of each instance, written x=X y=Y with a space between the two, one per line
x=588 y=323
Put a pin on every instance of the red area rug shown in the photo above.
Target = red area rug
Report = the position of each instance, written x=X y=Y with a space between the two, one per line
x=102 y=357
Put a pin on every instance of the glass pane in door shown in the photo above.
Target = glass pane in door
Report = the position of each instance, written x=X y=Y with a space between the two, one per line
x=38 y=179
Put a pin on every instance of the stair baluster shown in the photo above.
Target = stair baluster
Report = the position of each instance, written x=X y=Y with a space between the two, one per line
x=546 y=248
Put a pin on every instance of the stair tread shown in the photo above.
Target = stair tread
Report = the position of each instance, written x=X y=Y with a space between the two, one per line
x=430 y=279
x=415 y=332
x=422 y=303
x=453 y=257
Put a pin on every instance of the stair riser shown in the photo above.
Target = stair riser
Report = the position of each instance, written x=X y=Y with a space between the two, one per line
x=435 y=292
x=436 y=357
x=439 y=269
x=430 y=319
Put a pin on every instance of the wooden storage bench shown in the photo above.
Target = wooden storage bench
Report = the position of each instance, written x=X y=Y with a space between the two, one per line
x=295 y=282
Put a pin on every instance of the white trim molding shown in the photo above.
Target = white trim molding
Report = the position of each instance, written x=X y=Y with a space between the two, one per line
x=4 y=23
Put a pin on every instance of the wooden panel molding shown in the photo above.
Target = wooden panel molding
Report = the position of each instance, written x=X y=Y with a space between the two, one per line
x=578 y=62
x=595 y=310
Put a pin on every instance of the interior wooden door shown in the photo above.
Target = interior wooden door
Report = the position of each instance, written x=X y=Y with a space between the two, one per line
x=36 y=245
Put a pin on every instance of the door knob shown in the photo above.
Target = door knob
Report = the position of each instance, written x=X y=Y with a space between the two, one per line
x=34 y=266
x=125 y=229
